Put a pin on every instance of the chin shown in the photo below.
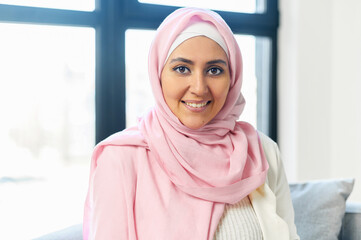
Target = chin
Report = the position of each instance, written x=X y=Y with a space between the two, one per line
x=194 y=126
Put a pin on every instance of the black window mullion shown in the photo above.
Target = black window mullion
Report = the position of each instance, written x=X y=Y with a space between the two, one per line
x=273 y=96
x=135 y=11
x=37 y=15
x=110 y=70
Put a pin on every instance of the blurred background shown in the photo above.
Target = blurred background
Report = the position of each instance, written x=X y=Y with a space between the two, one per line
x=74 y=72
x=319 y=85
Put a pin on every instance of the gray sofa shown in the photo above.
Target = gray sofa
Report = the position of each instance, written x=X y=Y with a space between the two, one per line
x=351 y=223
x=321 y=213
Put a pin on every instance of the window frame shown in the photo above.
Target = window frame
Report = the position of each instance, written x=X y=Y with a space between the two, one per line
x=111 y=18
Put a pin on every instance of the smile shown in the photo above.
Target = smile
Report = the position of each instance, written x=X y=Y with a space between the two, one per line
x=196 y=105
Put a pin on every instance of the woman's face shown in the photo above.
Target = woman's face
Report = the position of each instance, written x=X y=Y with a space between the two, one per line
x=195 y=81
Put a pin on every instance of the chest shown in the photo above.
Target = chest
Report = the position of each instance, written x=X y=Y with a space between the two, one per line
x=239 y=221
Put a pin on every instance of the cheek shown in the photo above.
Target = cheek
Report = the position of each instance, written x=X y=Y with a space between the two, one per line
x=220 y=91
x=172 y=89
x=169 y=90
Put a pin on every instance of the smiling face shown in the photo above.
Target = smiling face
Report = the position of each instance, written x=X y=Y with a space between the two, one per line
x=195 y=81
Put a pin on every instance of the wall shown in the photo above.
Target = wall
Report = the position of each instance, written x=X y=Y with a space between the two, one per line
x=319 y=89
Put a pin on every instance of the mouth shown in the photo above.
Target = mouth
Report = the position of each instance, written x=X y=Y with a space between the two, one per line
x=196 y=106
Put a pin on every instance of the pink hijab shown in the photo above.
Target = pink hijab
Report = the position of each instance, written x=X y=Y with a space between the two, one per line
x=223 y=161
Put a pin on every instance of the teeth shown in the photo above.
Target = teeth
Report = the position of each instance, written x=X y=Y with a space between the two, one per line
x=196 y=105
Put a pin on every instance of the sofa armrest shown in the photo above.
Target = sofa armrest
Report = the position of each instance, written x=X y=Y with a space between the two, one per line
x=351 y=222
x=74 y=232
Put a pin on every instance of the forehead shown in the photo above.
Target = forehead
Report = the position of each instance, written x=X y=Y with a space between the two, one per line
x=199 y=48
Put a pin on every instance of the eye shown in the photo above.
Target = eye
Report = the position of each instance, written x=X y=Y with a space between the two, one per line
x=181 y=69
x=215 y=71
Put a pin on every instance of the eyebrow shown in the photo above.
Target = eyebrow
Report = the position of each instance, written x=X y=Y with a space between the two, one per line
x=180 y=59
x=217 y=61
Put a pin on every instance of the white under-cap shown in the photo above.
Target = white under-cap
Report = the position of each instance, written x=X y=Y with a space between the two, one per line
x=199 y=29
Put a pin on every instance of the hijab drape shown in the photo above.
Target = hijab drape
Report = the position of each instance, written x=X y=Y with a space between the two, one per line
x=221 y=162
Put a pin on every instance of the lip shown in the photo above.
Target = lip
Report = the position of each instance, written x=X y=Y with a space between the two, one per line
x=195 y=101
x=196 y=109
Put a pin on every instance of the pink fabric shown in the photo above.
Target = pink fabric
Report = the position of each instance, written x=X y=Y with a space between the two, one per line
x=165 y=173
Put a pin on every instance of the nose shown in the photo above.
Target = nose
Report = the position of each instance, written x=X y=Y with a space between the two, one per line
x=198 y=85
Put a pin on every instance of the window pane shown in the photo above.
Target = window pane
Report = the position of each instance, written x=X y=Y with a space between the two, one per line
x=245 y=6
x=247 y=44
x=263 y=75
x=139 y=94
x=47 y=126
x=81 y=5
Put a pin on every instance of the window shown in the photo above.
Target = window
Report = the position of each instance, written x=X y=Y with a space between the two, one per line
x=83 y=5
x=248 y=6
x=47 y=125
x=66 y=83
x=256 y=34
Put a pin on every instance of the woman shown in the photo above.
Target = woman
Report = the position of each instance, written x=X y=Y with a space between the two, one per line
x=189 y=170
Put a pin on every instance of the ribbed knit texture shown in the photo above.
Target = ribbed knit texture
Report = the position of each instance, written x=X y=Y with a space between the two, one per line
x=239 y=222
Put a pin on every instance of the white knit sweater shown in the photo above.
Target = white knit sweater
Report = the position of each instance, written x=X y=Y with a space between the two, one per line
x=239 y=222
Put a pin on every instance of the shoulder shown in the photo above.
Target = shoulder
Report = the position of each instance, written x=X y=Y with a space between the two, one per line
x=120 y=148
x=120 y=156
x=270 y=149
x=272 y=154
x=119 y=151
x=278 y=185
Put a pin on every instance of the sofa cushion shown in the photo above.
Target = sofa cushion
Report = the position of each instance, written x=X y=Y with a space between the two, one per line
x=320 y=207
